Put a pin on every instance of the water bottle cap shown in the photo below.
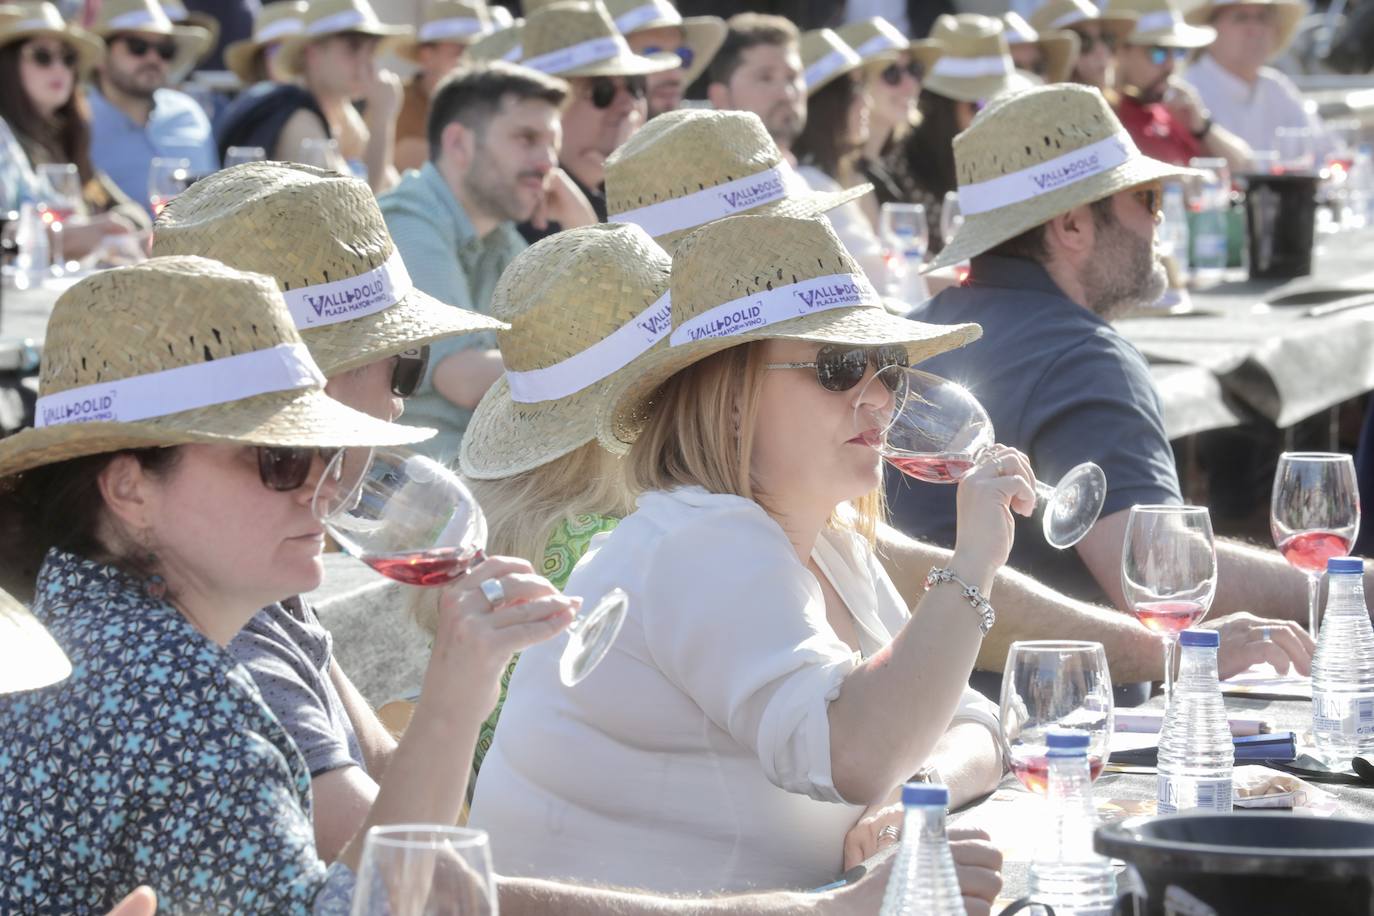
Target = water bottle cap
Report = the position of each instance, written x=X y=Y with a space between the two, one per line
x=1067 y=739
x=1209 y=639
x=1345 y=565
x=925 y=794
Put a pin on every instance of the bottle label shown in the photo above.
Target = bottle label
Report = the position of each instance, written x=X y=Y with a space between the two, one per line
x=1336 y=714
x=1177 y=795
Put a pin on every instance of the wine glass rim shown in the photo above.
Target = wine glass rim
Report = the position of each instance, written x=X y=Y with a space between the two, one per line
x=1057 y=645
x=457 y=836
x=1315 y=456
x=1163 y=509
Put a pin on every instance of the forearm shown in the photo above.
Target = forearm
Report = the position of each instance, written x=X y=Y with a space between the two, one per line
x=530 y=897
x=463 y=377
x=969 y=761
x=376 y=742
x=1258 y=580
x=1221 y=142
x=379 y=154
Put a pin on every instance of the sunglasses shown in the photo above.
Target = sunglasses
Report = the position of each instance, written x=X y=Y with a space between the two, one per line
x=139 y=47
x=1161 y=56
x=684 y=53
x=840 y=367
x=892 y=74
x=604 y=89
x=1151 y=198
x=284 y=468
x=409 y=370
x=45 y=58
x=1086 y=42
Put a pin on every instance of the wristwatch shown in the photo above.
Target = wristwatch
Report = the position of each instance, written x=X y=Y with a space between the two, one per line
x=1204 y=130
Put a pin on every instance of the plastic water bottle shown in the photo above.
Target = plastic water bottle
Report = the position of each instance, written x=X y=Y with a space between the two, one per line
x=1210 y=208
x=31 y=238
x=923 y=881
x=1196 y=755
x=1173 y=232
x=1068 y=875
x=1343 y=667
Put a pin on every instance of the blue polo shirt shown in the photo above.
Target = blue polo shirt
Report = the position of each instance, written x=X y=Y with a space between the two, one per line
x=1060 y=384
x=124 y=149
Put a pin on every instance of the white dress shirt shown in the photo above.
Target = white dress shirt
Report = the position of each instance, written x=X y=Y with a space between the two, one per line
x=1252 y=112
x=696 y=757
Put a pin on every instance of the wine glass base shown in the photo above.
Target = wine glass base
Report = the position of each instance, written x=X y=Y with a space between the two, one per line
x=593 y=637
x=1072 y=510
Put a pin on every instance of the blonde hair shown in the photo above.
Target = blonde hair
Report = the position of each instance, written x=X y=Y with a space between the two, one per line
x=700 y=432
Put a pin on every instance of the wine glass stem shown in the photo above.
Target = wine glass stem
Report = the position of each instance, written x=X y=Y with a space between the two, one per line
x=1314 y=588
x=1043 y=492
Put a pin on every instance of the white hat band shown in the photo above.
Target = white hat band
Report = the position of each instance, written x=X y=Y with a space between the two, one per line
x=970 y=67
x=340 y=22
x=279 y=29
x=877 y=45
x=175 y=11
x=781 y=303
x=501 y=17
x=829 y=65
x=1059 y=172
x=441 y=29
x=24 y=25
x=1018 y=33
x=285 y=367
x=701 y=207
x=578 y=55
x=628 y=22
x=584 y=369
x=514 y=54
x=136 y=19
x=323 y=304
x=1158 y=21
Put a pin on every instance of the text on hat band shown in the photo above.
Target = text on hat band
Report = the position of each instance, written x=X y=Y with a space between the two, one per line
x=877 y=45
x=285 y=367
x=1059 y=172
x=629 y=21
x=460 y=27
x=608 y=355
x=701 y=207
x=969 y=67
x=339 y=22
x=781 y=303
x=376 y=290
x=279 y=29
x=829 y=65
x=578 y=55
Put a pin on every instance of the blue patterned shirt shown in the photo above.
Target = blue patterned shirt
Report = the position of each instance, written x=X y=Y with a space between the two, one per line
x=155 y=763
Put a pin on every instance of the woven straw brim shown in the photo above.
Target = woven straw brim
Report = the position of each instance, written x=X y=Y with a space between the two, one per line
x=1061 y=53
x=848 y=68
x=306 y=418
x=29 y=657
x=1181 y=35
x=193 y=43
x=409 y=47
x=505 y=437
x=207 y=22
x=495 y=45
x=1121 y=26
x=981 y=232
x=417 y=319
x=239 y=57
x=975 y=89
x=292 y=48
x=629 y=403
x=1290 y=19
x=814 y=203
x=704 y=35
x=627 y=65
x=90 y=50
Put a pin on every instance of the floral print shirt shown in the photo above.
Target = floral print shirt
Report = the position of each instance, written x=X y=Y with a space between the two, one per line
x=155 y=763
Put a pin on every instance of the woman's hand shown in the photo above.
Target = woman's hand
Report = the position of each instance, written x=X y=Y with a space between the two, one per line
x=871 y=834
x=979 y=864
x=1248 y=640
x=1002 y=483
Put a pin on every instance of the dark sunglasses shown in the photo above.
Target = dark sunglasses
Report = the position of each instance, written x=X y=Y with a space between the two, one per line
x=840 y=367
x=285 y=468
x=45 y=58
x=139 y=47
x=684 y=53
x=409 y=370
x=604 y=89
x=1161 y=56
x=1086 y=42
x=1151 y=198
x=892 y=74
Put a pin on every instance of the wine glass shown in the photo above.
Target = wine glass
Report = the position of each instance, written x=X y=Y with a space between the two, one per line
x=411 y=519
x=238 y=155
x=166 y=179
x=1296 y=148
x=951 y=217
x=1314 y=515
x=906 y=238
x=935 y=430
x=322 y=153
x=1050 y=684
x=1169 y=572
x=425 y=870
x=59 y=192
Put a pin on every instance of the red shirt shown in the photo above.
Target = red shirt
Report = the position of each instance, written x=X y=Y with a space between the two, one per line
x=1157 y=132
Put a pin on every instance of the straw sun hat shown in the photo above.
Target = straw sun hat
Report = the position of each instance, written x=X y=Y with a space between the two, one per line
x=31 y=20
x=579 y=39
x=459 y=22
x=1029 y=157
x=976 y=63
x=1288 y=15
x=502 y=44
x=321 y=236
x=180 y=15
x=582 y=305
x=272 y=23
x=688 y=167
x=29 y=658
x=324 y=18
x=825 y=58
x=117 y=17
x=703 y=34
x=876 y=40
x=759 y=278
x=1062 y=14
x=180 y=350
x=1160 y=24
x=1059 y=47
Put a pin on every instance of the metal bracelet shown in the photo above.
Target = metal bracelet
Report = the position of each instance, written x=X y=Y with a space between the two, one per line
x=940 y=575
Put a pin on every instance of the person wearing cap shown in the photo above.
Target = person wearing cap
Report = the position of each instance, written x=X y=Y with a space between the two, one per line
x=135 y=114
x=448 y=28
x=756 y=594
x=1050 y=57
x=1060 y=208
x=1243 y=94
x=1100 y=34
x=759 y=69
x=654 y=26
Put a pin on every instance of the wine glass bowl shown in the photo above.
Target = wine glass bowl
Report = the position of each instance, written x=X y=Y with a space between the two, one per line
x=167 y=178
x=425 y=870
x=1314 y=515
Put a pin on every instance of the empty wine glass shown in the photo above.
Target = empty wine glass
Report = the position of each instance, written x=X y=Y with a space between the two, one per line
x=935 y=430
x=1051 y=684
x=425 y=870
x=951 y=217
x=59 y=199
x=1314 y=515
x=322 y=153
x=411 y=519
x=1169 y=572
x=238 y=155
x=166 y=179
x=1297 y=148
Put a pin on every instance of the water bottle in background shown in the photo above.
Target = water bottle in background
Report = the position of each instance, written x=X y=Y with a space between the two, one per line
x=1362 y=186
x=1173 y=231
x=1067 y=874
x=32 y=261
x=905 y=237
x=1210 y=207
x=1343 y=667
x=1196 y=755
x=923 y=881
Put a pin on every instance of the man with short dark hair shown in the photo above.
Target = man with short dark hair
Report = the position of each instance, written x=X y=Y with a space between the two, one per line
x=494 y=136
x=758 y=69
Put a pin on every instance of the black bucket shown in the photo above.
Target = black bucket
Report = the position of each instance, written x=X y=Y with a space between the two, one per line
x=1251 y=863
x=1280 y=221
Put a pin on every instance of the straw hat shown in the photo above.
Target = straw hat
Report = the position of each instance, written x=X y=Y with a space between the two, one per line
x=272 y=23
x=117 y=17
x=235 y=369
x=321 y=236
x=759 y=278
x=324 y=18
x=503 y=44
x=23 y=21
x=1159 y=23
x=29 y=658
x=579 y=39
x=688 y=167
x=583 y=305
x=825 y=58
x=180 y=15
x=877 y=40
x=703 y=34
x=1060 y=48
x=976 y=63
x=1061 y=14
x=1029 y=157
x=459 y=22
x=1288 y=15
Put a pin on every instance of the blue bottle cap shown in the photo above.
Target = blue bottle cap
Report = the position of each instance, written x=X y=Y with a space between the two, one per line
x=1209 y=639
x=1345 y=565
x=925 y=794
x=1067 y=742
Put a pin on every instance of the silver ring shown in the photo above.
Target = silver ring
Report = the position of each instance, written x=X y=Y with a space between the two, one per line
x=890 y=832
x=494 y=591
x=1266 y=635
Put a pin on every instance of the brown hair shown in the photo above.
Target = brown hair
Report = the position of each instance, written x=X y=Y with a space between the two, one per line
x=476 y=91
x=749 y=30
x=928 y=151
x=823 y=141
x=66 y=137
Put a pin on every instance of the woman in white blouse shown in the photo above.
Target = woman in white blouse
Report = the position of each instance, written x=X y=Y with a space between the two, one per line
x=769 y=692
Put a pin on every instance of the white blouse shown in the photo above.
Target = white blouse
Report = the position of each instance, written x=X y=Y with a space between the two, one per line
x=696 y=757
